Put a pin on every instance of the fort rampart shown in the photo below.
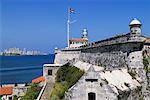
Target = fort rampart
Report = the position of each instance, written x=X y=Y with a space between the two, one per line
x=110 y=53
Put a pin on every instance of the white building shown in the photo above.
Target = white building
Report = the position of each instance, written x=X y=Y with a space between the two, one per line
x=103 y=85
x=13 y=51
x=77 y=42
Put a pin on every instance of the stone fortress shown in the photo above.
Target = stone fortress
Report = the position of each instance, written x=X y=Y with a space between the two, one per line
x=108 y=65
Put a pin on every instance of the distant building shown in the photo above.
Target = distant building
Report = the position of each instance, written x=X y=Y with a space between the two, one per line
x=1 y=53
x=15 y=50
x=6 y=93
x=18 y=51
x=77 y=42
x=24 y=51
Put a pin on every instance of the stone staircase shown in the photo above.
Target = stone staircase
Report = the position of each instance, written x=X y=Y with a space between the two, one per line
x=47 y=91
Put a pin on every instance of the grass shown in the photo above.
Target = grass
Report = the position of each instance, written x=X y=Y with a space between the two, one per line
x=66 y=77
x=32 y=93
x=58 y=91
x=146 y=64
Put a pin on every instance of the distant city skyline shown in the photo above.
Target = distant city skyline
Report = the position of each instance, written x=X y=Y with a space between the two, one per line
x=42 y=24
x=18 y=51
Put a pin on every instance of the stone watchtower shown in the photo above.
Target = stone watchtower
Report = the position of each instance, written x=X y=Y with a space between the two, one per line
x=135 y=27
x=85 y=33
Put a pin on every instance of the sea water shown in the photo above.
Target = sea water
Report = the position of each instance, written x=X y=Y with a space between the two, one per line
x=22 y=69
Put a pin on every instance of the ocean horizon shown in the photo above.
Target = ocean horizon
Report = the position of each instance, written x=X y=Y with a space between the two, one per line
x=22 y=69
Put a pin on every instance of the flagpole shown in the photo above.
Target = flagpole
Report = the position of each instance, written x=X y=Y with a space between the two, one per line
x=68 y=27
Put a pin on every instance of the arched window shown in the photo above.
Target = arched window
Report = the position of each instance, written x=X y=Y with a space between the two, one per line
x=91 y=96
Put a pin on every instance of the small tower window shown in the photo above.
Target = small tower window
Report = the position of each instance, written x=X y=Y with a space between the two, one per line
x=91 y=80
x=135 y=31
x=50 y=72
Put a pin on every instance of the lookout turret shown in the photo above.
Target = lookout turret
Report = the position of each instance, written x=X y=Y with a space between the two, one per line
x=84 y=33
x=135 y=27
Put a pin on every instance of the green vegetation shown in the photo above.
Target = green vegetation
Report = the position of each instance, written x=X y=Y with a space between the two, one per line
x=0 y=97
x=141 y=97
x=15 y=97
x=132 y=73
x=146 y=65
x=66 y=77
x=32 y=93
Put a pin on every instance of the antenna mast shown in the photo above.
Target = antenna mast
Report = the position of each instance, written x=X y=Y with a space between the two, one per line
x=68 y=27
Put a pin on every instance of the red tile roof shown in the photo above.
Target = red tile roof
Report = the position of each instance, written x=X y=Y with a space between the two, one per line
x=7 y=90
x=79 y=40
x=39 y=79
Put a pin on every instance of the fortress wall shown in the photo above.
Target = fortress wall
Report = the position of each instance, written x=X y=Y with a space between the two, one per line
x=64 y=56
x=135 y=59
x=111 y=53
x=109 y=41
x=106 y=60
x=115 y=40
x=117 y=55
x=114 y=56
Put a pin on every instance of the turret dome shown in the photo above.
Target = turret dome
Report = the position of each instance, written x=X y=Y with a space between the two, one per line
x=135 y=22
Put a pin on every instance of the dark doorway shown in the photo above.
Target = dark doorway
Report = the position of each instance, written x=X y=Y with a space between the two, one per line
x=50 y=72
x=9 y=98
x=91 y=96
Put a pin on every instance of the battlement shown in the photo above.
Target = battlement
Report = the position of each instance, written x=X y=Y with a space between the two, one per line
x=127 y=38
x=120 y=39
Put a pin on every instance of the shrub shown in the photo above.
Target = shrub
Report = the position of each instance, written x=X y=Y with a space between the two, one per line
x=15 y=97
x=32 y=92
x=132 y=73
x=146 y=64
x=66 y=77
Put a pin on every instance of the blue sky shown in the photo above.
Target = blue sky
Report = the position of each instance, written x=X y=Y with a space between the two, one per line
x=42 y=24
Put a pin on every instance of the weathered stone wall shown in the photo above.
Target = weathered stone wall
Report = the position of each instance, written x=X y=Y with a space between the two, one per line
x=50 y=78
x=114 y=56
x=115 y=40
x=64 y=56
x=147 y=50
x=111 y=52
x=82 y=88
x=110 y=56
x=135 y=60
x=107 y=60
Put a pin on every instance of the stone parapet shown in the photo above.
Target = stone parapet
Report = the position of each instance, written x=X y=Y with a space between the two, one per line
x=115 y=40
